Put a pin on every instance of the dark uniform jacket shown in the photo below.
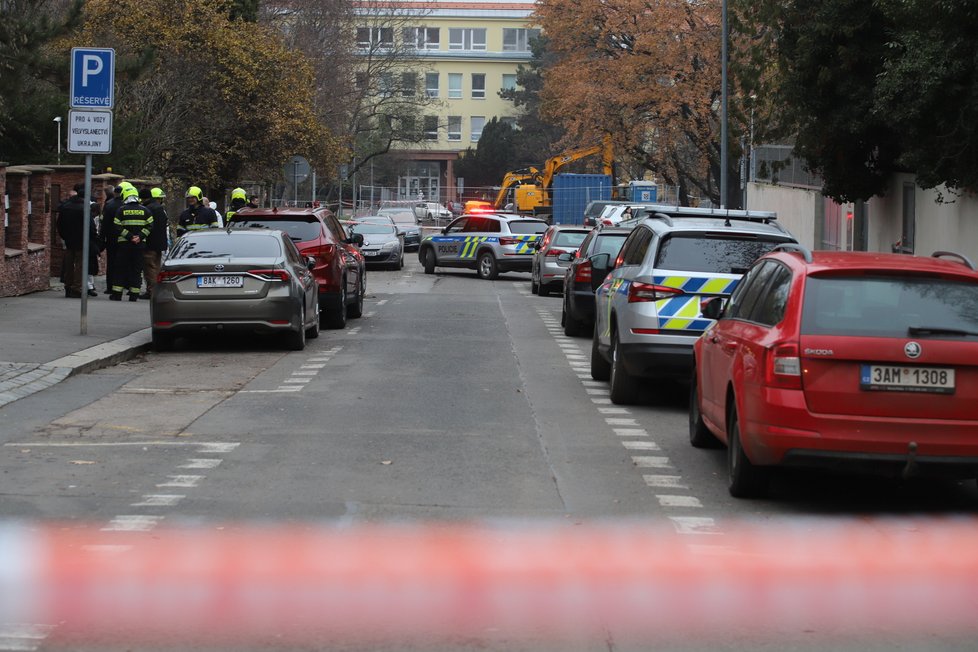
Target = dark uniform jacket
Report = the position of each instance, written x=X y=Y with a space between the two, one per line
x=109 y=235
x=133 y=219
x=71 y=217
x=198 y=217
x=157 y=236
x=236 y=205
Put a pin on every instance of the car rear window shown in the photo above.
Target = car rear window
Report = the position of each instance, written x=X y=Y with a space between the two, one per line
x=527 y=226
x=367 y=227
x=227 y=245
x=609 y=244
x=299 y=230
x=569 y=238
x=721 y=254
x=888 y=306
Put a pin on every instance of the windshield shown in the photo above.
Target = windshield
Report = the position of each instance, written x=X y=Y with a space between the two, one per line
x=527 y=226
x=371 y=228
x=299 y=230
x=569 y=238
x=721 y=254
x=609 y=244
x=889 y=306
x=227 y=245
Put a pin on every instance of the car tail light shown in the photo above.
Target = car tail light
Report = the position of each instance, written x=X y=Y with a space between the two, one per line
x=270 y=274
x=167 y=276
x=321 y=252
x=583 y=273
x=555 y=252
x=607 y=222
x=783 y=366
x=642 y=292
x=509 y=241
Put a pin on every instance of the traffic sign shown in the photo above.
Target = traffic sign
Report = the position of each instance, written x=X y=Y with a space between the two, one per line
x=89 y=132
x=297 y=169
x=92 y=78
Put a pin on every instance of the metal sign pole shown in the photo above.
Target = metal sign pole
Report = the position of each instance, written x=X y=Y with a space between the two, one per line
x=86 y=244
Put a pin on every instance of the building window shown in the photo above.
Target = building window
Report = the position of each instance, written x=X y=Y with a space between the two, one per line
x=518 y=40
x=431 y=84
x=454 y=127
x=363 y=81
x=420 y=38
x=478 y=122
x=431 y=127
x=386 y=85
x=368 y=37
x=466 y=39
x=478 y=86
x=409 y=84
x=454 y=85
x=509 y=82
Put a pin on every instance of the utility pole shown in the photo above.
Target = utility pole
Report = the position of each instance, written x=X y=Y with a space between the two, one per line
x=723 y=108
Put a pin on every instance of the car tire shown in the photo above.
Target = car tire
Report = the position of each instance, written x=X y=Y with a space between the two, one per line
x=572 y=327
x=313 y=331
x=487 y=268
x=355 y=309
x=600 y=368
x=544 y=289
x=699 y=435
x=428 y=260
x=624 y=387
x=162 y=341
x=336 y=319
x=534 y=286
x=296 y=340
x=744 y=479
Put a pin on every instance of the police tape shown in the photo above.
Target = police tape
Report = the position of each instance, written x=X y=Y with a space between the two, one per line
x=247 y=583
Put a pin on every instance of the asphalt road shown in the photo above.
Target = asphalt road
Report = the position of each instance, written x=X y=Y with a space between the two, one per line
x=453 y=400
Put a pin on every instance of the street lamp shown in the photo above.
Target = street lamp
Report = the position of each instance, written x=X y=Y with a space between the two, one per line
x=58 y=120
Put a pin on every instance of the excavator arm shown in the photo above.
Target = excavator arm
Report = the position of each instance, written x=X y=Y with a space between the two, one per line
x=511 y=179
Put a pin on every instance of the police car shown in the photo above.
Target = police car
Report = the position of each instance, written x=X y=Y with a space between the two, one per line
x=647 y=309
x=489 y=243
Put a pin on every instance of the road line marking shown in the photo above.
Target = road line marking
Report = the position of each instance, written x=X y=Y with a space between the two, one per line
x=614 y=410
x=641 y=445
x=594 y=383
x=631 y=432
x=311 y=372
x=613 y=421
x=322 y=360
x=678 y=501
x=313 y=366
x=651 y=462
x=159 y=500
x=201 y=463
x=132 y=523
x=601 y=401
x=382 y=302
x=597 y=391
x=280 y=390
x=301 y=381
x=370 y=314
x=182 y=481
x=289 y=389
x=694 y=525
x=583 y=376
x=217 y=447
x=208 y=447
x=665 y=481
x=338 y=347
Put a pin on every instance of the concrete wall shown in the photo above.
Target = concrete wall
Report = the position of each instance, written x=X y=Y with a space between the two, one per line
x=798 y=208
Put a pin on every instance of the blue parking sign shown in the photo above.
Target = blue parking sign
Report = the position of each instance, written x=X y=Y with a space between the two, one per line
x=92 y=78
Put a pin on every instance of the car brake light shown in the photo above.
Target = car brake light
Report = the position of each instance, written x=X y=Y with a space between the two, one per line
x=167 y=276
x=270 y=274
x=556 y=252
x=783 y=368
x=642 y=292
x=509 y=241
x=583 y=273
x=320 y=253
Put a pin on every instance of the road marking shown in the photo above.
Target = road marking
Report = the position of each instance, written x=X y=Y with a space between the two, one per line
x=132 y=523
x=370 y=314
x=159 y=500
x=322 y=360
x=205 y=446
x=631 y=432
x=601 y=401
x=640 y=445
x=301 y=381
x=313 y=366
x=678 y=501
x=615 y=421
x=594 y=383
x=597 y=391
x=311 y=372
x=201 y=463
x=182 y=481
x=216 y=447
x=23 y=636
x=666 y=481
x=287 y=389
x=651 y=462
x=280 y=390
x=614 y=410
x=694 y=525
x=382 y=302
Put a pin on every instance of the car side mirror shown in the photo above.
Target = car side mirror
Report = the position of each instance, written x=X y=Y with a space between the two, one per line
x=355 y=239
x=538 y=246
x=445 y=231
x=565 y=258
x=713 y=308
x=600 y=268
x=310 y=263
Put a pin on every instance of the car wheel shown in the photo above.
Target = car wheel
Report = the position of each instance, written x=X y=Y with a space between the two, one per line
x=534 y=286
x=544 y=290
x=355 y=309
x=313 y=331
x=572 y=327
x=162 y=341
x=488 y=269
x=336 y=319
x=699 y=435
x=744 y=479
x=428 y=260
x=624 y=387
x=296 y=340
x=600 y=368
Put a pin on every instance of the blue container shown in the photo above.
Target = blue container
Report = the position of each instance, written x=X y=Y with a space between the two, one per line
x=643 y=192
x=570 y=194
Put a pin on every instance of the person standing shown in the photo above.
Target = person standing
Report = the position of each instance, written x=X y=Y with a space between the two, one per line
x=239 y=200
x=197 y=214
x=71 y=220
x=108 y=236
x=253 y=202
x=133 y=223
x=156 y=242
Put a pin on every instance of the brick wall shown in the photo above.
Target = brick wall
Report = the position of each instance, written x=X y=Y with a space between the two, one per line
x=27 y=253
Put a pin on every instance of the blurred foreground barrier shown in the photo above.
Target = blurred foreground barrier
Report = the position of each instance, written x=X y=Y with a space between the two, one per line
x=309 y=584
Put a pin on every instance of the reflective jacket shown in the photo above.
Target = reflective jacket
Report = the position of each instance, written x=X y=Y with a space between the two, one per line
x=198 y=217
x=133 y=219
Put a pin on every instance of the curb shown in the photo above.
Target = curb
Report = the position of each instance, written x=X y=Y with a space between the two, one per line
x=107 y=354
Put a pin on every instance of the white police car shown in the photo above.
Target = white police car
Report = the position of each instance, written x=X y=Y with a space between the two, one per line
x=489 y=243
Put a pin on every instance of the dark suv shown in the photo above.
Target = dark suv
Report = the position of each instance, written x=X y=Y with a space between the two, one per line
x=339 y=269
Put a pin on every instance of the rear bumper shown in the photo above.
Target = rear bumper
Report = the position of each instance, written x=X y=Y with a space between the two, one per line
x=654 y=360
x=552 y=274
x=383 y=258
x=268 y=314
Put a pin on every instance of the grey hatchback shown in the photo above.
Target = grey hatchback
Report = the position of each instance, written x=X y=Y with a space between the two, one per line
x=235 y=280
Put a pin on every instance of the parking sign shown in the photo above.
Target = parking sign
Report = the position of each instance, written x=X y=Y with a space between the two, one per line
x=92 y=78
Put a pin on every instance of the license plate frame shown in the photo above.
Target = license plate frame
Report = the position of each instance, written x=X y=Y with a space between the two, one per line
x=220 y=281
x=907 y=378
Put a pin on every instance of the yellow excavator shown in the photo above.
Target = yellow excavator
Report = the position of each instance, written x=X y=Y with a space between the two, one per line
x=532 y=186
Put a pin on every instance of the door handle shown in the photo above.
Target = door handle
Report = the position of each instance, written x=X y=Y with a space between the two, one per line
x=714 y=339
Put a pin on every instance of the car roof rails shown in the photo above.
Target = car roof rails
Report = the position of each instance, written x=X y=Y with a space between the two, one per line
x=951 y=254
x=662 y=216
x=796 y=248
x=728 y=214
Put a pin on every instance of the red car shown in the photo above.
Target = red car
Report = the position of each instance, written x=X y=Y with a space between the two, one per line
x=851 y=361
x=339 y=269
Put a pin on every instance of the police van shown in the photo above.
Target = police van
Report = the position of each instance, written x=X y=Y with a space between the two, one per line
x=647 y=308
x=489 y=243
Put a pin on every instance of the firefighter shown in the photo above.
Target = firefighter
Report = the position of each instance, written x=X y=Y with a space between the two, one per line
x=239 y=200
x=133 y=222
x=156 y=242
x=107 y=234
x=197 y=215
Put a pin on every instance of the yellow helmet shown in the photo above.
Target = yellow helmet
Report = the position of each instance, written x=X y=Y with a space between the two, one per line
x=239 y=193
x=195 y=192
x=158 y=193
x=130 y=191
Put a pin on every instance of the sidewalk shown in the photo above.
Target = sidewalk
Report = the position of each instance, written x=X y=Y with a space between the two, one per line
x=40 y=344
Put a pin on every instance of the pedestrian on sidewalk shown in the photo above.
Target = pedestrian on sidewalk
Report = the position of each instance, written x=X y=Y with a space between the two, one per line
x=133 y=223
x=71 y=220
x=108 y=235
x=156 y=242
